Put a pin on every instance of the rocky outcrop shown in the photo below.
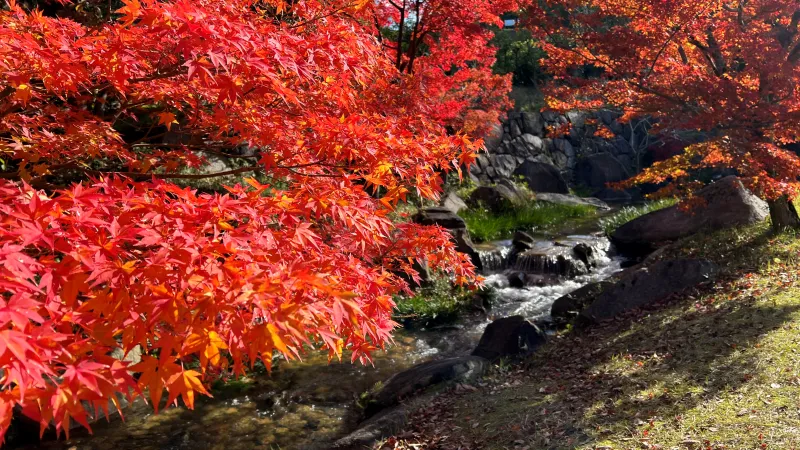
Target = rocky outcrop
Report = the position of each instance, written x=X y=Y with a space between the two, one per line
x=447 y=219
x=647 y=285
x=509 y=336
x=596 y=171
x=542 y=177
x=571 y=200
x=407 y=383
x=726 y=203
x=523 y=137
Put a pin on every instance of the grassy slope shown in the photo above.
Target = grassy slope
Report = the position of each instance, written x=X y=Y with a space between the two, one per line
x=484 y=225
x=715 y=368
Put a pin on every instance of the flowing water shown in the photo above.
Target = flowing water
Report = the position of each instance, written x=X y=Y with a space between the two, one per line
x=308 y=404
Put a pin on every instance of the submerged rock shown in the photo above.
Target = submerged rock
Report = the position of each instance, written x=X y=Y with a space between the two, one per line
x=405 y=384
x=647 y=285
x=509 y=336
x=724 y=204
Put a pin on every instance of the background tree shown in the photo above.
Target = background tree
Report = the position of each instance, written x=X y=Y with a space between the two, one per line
x=102 y=110
x=445 y=44
x=727 y=68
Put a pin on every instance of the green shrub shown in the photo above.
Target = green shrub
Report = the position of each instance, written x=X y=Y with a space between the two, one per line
x=438 y=303
x=483 y=225
x=628 y=213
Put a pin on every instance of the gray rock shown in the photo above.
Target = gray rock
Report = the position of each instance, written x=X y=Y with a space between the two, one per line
x=453 y=202
x=509 y=336
x=542 y=177
x=550 y=116
x=726 y=203
x=577 y=118
x=569 y=306
x=596 y=171
x=532 y=123
x=381 y=426
x=422 y=376
x=648 y=285
x=560 y=160
x=494 y=138
x=533 y=142
x=515 y=129
x=443 y=217
x=569 y=199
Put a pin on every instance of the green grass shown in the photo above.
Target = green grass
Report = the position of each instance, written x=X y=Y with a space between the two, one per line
x=483 y=225
x=716 y=368
x=628 y=213
x=438 y=303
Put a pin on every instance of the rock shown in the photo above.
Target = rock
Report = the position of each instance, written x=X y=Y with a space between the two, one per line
x=726 y=203
x=494 y=138
x=596 y=171
x=405 y=384
x=522 y=241
x=614 y=196
x=568 y=199
x=509 y=336
x=381 y=426
x=570 y=305
x=455 y=225
x=550 y=261
x=587 y=254
x=453 y=203
x=542 y=177
x=532 y=123
x=439 y=216
x=533 y=142
x=498 y=197
x=647 y=285
x=516 y=280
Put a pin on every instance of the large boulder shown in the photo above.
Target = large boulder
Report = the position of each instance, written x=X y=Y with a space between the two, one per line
x=498 y=197
x=647 y=285
x=726 y=203
x=569 y=306
x=455 y=225
x=542 y=177
x=597 y=170
x=422 y=376
x=509 y=336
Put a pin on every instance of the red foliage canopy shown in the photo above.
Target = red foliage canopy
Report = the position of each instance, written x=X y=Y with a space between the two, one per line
x=726 y=68
x=99 y=249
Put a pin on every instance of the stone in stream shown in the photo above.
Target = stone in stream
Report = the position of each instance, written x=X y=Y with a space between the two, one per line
x=724 y=204
x=407 y=383
x=509 y=336
x=647 y=285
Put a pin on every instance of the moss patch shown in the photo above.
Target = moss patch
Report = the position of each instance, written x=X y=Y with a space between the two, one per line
x=484 y=225
x=439 y=303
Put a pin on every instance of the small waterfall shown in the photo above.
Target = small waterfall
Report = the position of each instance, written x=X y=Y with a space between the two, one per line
x=494 y=259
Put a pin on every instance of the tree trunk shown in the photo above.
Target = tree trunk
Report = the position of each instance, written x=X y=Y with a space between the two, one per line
x=784 y=214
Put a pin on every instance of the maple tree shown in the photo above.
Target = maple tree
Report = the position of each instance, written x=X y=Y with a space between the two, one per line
x=728 y=68
x=446 y=45
x=102 y=110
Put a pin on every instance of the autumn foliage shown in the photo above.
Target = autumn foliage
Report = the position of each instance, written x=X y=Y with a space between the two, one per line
x=726 y=69
x=103 y=110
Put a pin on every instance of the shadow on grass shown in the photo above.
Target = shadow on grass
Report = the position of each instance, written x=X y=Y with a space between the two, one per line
x=709 y=363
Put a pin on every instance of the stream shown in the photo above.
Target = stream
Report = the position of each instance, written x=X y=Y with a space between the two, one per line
x=309 y=404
